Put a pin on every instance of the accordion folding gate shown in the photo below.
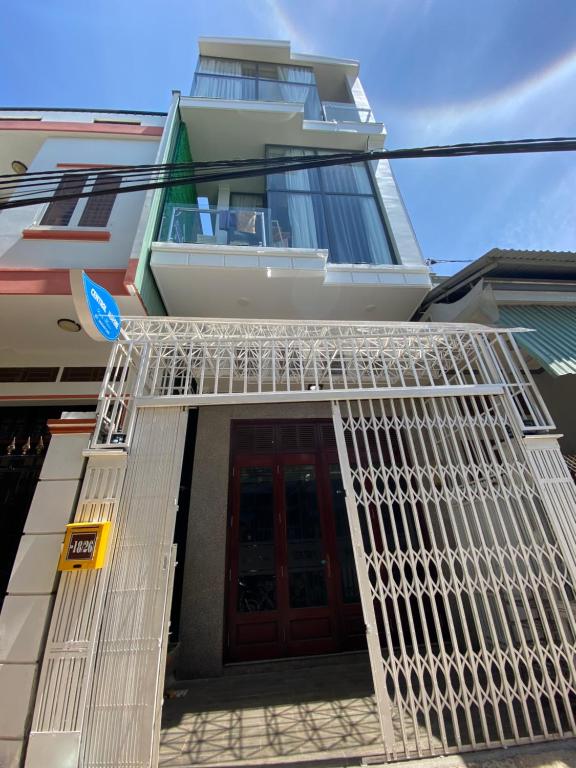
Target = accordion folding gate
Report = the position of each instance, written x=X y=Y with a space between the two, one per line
x=460 y=559
x=462 y=515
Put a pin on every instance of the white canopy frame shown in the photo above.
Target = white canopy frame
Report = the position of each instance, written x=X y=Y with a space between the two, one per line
x=188 y=362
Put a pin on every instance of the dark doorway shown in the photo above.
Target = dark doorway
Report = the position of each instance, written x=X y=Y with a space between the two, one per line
x=24 y=440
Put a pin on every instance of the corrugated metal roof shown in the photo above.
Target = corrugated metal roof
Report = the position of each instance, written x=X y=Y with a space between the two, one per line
x=503 y=263
x=553 y=341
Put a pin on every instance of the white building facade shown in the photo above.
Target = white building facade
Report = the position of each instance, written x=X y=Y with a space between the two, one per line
x=335 y=478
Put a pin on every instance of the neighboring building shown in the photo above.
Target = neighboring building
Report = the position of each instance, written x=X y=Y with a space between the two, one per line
x=522 y=289
x=47 y=365
x=334 y=476
x=43 y=368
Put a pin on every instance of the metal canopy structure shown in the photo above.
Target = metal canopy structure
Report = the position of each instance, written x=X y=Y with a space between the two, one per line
x=187 y=362
x=461 y=510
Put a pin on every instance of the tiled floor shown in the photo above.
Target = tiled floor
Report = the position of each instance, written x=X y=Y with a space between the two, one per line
x=278 y=712
x=294 y=712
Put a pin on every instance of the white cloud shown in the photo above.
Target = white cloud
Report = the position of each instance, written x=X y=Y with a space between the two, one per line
x=281 y=25
x=551 y=223
x=538 y=105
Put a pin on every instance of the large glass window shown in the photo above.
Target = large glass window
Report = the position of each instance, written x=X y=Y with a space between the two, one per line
x=257 y=81
x=332 y=207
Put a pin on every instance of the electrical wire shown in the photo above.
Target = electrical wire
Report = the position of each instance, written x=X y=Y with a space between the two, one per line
x=34 y=188
x=449 y=261
x=172 y=171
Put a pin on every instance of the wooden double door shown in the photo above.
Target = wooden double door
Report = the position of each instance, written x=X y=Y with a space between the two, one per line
x=292 y=587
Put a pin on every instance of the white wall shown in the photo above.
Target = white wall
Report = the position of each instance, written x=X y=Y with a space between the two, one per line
x=399 y=224
x=25 y=254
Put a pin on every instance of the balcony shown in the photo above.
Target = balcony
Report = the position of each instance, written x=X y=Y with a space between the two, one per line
x=253 y=262
x=335 y=111
x=212 y=226
x=213 y=86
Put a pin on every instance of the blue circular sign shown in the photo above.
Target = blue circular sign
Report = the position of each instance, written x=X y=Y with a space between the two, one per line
x=103 y=309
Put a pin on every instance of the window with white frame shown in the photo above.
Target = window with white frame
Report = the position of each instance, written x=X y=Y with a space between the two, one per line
x=76 y=211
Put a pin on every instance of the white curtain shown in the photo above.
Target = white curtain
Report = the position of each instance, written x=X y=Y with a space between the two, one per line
x=301 y=180
x=302 y=221
x=223 y=87
x=357 y=234
x=296 y=75
x=299 y=85
x=220 y=66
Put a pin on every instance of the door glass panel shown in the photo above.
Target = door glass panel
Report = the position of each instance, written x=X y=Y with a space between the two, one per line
x=256 y=566
x=350 y=592
x=306 y=558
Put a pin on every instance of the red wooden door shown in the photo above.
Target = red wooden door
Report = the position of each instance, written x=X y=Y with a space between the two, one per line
x=254 y=603
x=310 y=610
x=292 y=586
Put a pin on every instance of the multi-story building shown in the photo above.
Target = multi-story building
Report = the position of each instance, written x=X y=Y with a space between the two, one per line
x=47 y=364
x=335 y=478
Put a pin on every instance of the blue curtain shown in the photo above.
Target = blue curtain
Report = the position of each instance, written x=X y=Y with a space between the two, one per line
x=355 y=231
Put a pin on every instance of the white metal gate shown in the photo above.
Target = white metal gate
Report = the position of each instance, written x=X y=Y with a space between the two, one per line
x=122 y=720
x=459 y=562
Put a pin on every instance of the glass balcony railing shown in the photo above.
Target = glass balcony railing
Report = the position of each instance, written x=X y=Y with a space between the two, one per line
x=211 y=86
x=214 y=86
x=345 y=113
x=349 y=227
x=213 y=226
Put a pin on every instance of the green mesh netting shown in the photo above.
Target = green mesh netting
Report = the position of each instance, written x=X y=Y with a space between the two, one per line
x=184 y=194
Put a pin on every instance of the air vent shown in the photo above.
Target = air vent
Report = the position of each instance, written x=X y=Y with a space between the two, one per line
x=27 y=375
x=297 y=437
x=329 y=439
x=254 y=438
x=310 y=436
x=83 y=373
x=328 y=436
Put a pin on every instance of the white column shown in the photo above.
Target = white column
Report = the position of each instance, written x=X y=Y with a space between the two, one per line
x=223 y=204
x=64 y=676
x=557 y=490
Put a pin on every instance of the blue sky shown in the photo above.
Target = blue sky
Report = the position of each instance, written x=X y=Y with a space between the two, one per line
x=435 y=71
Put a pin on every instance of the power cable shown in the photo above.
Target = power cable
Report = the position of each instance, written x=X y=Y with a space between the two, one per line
x=132 y=173
x=449 y=261
x=141 y=178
